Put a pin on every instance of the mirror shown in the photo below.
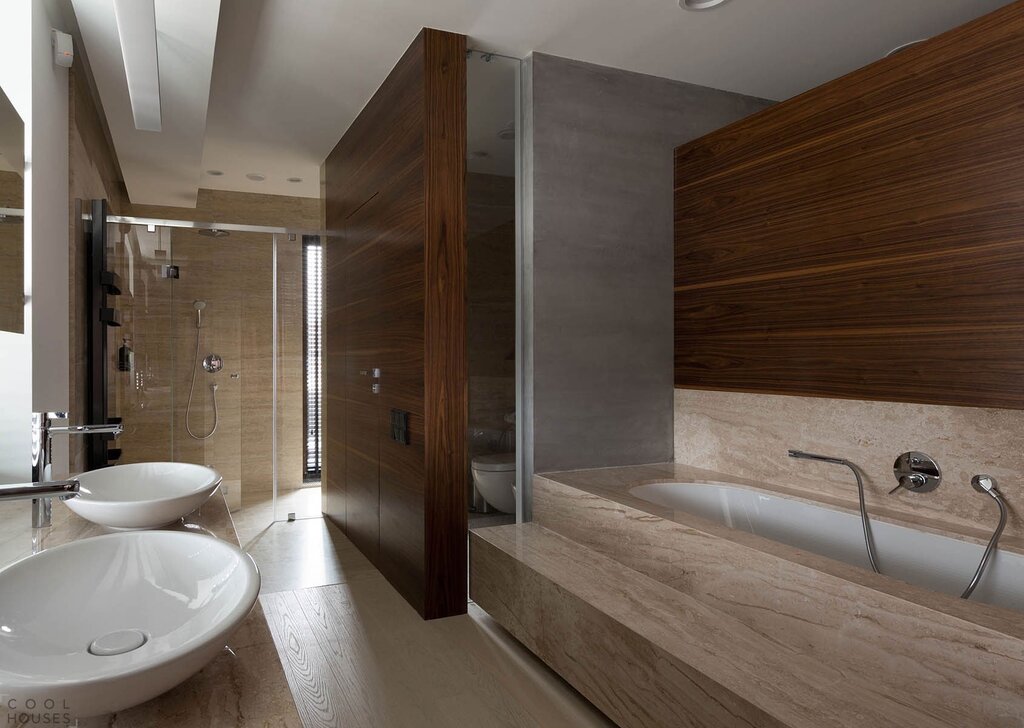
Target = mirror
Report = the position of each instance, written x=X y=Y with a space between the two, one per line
x=15 y=352
x=492 y=90
x=12 y=218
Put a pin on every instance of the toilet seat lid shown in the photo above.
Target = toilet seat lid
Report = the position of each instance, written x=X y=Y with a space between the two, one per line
x=501 y=462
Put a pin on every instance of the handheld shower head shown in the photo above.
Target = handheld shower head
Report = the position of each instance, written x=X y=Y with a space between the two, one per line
x=199 y=305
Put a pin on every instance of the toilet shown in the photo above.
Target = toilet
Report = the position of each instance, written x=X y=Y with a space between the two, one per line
x=495 y=479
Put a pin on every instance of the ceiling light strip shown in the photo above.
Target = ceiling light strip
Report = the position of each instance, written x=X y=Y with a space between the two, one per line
x=136 y=26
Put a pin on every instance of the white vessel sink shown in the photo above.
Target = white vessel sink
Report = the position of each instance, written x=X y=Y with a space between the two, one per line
x=162 y=601
x=143 y=495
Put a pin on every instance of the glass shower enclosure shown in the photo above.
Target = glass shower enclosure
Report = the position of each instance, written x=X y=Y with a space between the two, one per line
x=209 y=363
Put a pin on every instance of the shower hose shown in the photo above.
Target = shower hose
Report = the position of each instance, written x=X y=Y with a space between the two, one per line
x=981 y=483
x=191 y=391
x=989 y=487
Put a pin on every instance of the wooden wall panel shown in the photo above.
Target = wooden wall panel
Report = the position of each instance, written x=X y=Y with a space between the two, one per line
x=865 y=239
x=395 y=189
x=446 y=411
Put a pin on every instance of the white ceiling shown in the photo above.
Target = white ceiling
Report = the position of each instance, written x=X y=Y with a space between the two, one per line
x=289 y=76
x=160 y=168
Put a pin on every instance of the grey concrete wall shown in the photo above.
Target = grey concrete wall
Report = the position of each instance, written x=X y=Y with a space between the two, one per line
x=600 y=145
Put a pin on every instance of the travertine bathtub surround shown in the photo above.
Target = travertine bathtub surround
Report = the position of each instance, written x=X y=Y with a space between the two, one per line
x=830 y=644
x=608 y=644
x=747 y=435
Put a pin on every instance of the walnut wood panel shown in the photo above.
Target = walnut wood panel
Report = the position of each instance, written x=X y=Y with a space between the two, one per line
x=964 y=290
x=395 y=188
x=362 y=476
x=836 y=363
x=446 y=405
x=865 y=239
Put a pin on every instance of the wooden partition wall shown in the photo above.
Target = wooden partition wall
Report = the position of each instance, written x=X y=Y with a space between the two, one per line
x=394 y=327
x=865 y=239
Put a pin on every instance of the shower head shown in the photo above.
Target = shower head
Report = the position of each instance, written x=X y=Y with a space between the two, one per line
x=214 y=233
x=199 y=305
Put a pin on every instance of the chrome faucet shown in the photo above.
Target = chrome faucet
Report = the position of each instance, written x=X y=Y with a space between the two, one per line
x=41 y=495
x=869 y=544
x=42 y=430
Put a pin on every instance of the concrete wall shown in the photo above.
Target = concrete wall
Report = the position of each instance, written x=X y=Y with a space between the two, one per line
x=599 y=151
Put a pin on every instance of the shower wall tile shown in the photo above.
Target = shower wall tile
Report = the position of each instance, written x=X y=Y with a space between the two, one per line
x=291 y=370
x=245 y=208
x=12 y=256
x=747 y=435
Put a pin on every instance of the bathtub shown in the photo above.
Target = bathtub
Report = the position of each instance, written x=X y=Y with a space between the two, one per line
x=935 y=562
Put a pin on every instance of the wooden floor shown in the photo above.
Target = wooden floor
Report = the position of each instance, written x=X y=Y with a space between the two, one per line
x=356 y=654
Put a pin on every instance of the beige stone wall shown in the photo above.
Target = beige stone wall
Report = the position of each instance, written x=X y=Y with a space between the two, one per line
x=244 y=208
x=747 y=435
x=12 y=256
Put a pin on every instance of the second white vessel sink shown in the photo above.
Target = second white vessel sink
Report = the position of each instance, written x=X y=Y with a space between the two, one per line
x=143 y=495
x=109 y=622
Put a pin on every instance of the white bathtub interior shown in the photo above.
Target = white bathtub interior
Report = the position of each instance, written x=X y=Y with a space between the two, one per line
x=940 y=563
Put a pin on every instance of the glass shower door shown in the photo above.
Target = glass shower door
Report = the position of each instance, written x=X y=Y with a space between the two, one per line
x=212 y=362
x=141 y=351
x=209 y=329
x=191 y=366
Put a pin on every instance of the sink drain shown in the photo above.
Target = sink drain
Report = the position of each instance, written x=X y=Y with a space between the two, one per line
x=117 y=643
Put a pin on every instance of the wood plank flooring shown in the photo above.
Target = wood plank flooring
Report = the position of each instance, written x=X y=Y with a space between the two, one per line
x=356 y=654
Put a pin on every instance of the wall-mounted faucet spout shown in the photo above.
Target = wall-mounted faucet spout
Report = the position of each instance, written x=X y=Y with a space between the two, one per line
x=868 y=544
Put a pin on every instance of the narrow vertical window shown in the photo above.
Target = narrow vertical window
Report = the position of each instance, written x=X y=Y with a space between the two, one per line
x=312 y=278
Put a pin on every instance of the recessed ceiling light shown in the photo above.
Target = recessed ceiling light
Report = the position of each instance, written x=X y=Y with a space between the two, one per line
x=214 y=172
x=699 y=4
x=256 y=176
x=295 y=179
